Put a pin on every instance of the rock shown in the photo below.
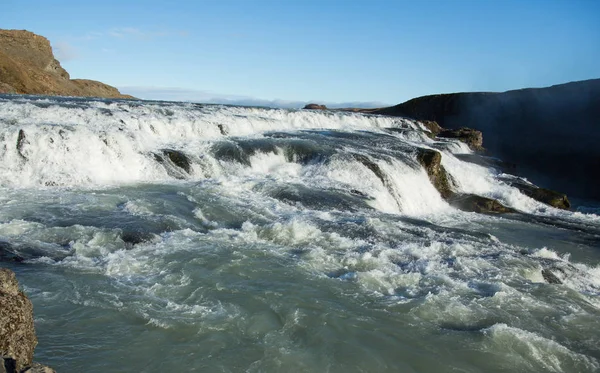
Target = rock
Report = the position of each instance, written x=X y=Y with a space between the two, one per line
x=315 y=107
x=8 y=365
x=475 y=203
x=469 y=136
x=433 y=127
x=132 y=238
x=547 y=196
x=174 y=161
x=21 y=141
x=17 y=335
x=179 y=159
x=28 y=66
x=431 y=160
x=550 y=277
x=549 y=132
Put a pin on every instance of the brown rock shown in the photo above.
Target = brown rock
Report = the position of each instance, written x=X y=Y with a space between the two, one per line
x=431 y=160
x=17 y=335
x=469 y=136
x=432 y=126
x=28 y=66
x=475 y=203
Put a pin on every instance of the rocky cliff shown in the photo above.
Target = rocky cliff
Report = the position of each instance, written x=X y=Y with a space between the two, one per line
x=551 y=134
x=28 y=66
x=17 y=335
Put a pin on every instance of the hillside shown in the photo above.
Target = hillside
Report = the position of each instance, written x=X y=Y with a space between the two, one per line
x=552 y=134
x=28 y=66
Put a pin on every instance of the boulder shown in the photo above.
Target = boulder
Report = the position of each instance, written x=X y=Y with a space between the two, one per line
x=469 y=136
x=431 y=160
x=315 y=107
x=17 y=335
x=479 y=204
x=433 y=127
x=174 y=161
x=547 y=196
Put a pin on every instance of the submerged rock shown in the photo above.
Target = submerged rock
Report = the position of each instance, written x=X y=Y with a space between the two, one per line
x=431 y=160
x=475 y=203
x=469 y=136
x=550 y=277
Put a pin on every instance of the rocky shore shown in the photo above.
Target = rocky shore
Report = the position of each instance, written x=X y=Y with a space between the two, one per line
x=28 y=66
x=17 y=334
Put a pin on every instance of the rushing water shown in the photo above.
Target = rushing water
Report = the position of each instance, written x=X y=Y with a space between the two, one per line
x=180 y=237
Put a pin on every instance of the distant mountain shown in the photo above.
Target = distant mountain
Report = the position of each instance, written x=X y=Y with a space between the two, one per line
x=28 y=66
x=552 y=134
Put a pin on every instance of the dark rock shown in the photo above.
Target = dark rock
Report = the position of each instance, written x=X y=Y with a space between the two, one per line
x=315 y=107
x=8 y=365
x=176 y=159
x=179 y=159
x=469 y=136
x=222 y=130
x=547 y=196
x=132 y=238
x=17 y=335
x=475 y=203
x=550 y=277
x=431 y=160
x=21 y=141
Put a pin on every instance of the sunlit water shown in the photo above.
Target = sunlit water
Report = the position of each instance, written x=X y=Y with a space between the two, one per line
x=279 y=249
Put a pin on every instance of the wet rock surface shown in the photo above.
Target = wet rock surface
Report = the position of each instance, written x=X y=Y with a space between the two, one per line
x=17 y=334
x=475 y=203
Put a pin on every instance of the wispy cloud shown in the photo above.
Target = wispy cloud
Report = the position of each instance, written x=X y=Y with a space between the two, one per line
x=207 y=97
x=64 y=51
x=133 y=33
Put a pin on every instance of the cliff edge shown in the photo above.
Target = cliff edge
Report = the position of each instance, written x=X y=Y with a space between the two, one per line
x=28 y=66
x=551 y=134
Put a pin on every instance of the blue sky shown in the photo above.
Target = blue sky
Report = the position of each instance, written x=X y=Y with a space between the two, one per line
x=325 y=51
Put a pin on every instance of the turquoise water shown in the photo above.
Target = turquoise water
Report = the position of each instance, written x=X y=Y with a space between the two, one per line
x=274 y=248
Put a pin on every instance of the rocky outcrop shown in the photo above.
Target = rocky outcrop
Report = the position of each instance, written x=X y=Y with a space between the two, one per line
x=550 y=133
x=469 y=136
x=28 y=66
x=17 y=335
x=431 y=160
x=475 y=203
x=547 y=196
x=315 y=107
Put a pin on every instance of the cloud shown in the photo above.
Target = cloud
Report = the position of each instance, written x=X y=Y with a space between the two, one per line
x=207 y=97
x=64 y=51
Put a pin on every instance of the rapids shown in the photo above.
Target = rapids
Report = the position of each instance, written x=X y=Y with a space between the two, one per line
x=157 y=236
